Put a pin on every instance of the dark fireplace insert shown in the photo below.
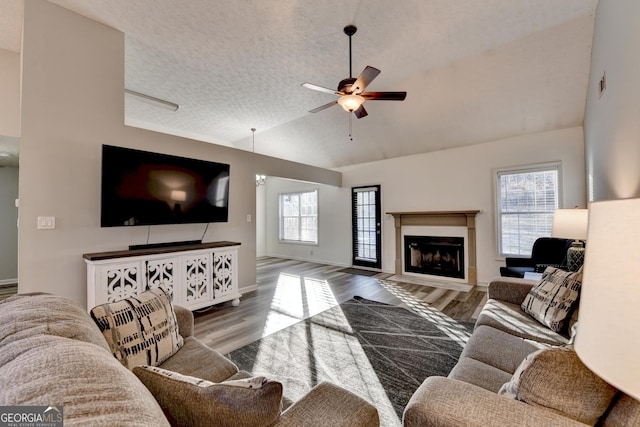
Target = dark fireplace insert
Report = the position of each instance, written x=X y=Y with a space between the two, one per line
x=438 y=256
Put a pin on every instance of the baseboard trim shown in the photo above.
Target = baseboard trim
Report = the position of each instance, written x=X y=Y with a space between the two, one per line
x=248 y=289
x=318 y=261
x=8 y=281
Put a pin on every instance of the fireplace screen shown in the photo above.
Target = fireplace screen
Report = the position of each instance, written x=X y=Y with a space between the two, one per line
x=439 y=256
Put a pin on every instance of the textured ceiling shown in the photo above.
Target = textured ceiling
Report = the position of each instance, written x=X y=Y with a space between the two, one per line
x=474 y=70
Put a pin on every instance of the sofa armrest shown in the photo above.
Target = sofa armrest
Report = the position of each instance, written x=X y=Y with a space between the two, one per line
x=184 y=316
x=328 y=405
x=444 y=402
x=509 y=289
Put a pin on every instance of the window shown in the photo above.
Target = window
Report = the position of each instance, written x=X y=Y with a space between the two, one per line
x=526 y=199
x=299 y=217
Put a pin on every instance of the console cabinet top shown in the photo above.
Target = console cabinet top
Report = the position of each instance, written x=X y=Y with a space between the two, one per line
x=99 y=256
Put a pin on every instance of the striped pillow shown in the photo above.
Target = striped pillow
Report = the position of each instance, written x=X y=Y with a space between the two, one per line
x=553 y=299
x=141 y=330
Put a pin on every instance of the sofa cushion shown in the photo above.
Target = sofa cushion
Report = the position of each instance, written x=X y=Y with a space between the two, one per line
x=140 y=330
x=94 y=388
x=478 y=373
x=511 y=319
x=557 y=380
x=498 y=348
x=190 y=401
x=198 y=360
x=25 y=315
x=553 y=299
x=624 y=411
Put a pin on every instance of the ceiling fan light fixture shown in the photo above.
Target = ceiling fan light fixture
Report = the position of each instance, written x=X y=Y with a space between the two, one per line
x=350 y=103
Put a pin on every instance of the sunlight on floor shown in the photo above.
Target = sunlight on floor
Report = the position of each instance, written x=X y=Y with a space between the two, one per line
x=297 y=298
x=447 y=325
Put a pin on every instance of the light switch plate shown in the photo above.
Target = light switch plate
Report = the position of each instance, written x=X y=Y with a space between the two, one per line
x=46 y=222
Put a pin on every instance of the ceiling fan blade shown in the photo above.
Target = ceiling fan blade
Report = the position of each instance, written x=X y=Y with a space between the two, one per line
x=384 y=96
x=360 y=112
x=320 y=89
x=366 y=76
x=322 y=107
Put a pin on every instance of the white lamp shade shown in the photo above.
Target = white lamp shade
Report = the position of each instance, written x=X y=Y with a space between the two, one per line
x=608 y=338
x=570 y=223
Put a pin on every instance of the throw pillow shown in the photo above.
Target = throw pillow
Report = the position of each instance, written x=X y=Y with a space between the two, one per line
x=141 y=330
x=189 y=401
x=557 y=380
x=553 y=299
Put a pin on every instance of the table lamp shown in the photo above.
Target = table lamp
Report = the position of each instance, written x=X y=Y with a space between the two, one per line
x=608 y=337
x=571 y=224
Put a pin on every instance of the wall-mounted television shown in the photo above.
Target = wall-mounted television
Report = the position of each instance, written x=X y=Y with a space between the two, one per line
x=144 y=188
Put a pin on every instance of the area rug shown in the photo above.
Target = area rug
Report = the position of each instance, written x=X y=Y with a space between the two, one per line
x=378 y=351
x=358 y=271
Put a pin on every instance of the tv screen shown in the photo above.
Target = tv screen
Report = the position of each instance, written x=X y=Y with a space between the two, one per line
x=143 y=188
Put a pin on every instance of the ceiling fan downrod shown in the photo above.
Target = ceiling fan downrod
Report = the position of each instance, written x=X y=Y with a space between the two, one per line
x=350 y=30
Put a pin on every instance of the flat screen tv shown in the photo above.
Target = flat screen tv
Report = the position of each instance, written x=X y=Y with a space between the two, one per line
x=143 y=188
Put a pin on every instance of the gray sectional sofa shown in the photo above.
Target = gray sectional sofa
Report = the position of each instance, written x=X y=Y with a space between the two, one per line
x=52 y=353
x=503 y=337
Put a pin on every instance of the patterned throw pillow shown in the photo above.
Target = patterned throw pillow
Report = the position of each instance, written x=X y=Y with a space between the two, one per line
x=553 y=299
x=190 y=401
x=557 y=380
x=141 y=330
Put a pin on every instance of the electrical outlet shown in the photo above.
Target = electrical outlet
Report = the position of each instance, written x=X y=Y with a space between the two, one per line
x=46 y=222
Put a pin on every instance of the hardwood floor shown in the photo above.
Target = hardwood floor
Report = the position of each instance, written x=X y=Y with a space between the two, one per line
x=289 y=291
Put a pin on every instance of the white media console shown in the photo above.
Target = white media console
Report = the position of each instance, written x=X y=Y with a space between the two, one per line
x=196 y=275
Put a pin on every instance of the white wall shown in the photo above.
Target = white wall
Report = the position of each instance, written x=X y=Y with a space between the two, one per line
x=8 y=225
x=456 y=179
x=9 y=93
x=462 y=179
x=72 y=103
x=612 y=122
x=334 y=223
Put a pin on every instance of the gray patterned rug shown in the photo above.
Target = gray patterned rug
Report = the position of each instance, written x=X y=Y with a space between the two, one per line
x=378 y=351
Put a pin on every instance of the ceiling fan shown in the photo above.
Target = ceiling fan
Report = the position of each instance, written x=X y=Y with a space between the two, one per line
x=351 y=90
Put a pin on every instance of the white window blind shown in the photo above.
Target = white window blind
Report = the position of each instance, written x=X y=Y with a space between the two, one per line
x=526 y=199
x=299 y=217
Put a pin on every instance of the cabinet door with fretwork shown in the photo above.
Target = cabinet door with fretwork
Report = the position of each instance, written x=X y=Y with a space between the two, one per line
x=162 y=272
x=196 y=273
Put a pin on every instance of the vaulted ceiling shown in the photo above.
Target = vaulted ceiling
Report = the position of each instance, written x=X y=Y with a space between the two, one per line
x=475 y=70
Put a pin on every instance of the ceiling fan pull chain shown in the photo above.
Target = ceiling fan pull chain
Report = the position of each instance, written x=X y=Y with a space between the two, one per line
x=350 y=129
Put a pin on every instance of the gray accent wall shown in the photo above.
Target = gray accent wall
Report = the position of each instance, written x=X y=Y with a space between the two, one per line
x=8 y=225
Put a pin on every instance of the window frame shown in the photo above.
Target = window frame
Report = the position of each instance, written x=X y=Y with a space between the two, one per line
x=538 y=167
x=281 y=238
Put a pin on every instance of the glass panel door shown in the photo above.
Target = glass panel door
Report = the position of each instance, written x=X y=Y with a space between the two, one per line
x=366 y=226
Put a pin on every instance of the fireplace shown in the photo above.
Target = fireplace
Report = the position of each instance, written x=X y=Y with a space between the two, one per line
x=442 y=219
x=434 y=255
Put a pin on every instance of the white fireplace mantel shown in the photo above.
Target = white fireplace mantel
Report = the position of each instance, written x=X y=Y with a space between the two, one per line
x=439 y=218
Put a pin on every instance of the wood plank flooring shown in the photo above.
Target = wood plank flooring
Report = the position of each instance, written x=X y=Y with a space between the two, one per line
x=290 y=291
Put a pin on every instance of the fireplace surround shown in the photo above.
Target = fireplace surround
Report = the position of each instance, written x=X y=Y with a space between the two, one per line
x=439 y=218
